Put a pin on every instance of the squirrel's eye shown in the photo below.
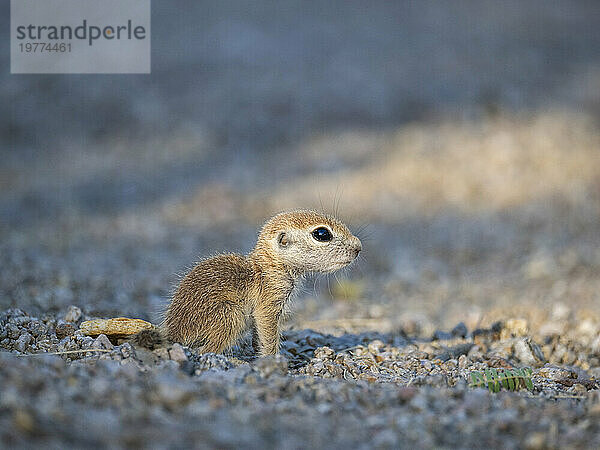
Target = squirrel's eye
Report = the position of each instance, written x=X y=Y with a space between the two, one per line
x=322 y=234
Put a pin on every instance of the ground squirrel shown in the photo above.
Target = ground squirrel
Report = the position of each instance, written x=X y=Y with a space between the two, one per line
x=222 y=296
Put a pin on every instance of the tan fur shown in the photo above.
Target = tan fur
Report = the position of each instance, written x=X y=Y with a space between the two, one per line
x=223 y=295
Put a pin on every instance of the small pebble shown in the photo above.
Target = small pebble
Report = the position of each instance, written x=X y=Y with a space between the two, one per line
x=324 y=353
x=459 y=330
x=23 y=342
x=73 y=314
x=102 y=342
x=441 y=336
x=176 y=353
x=64 y=329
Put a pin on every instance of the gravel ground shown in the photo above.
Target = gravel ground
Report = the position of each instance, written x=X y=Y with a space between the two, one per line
x=459 y=140
x=361 y=390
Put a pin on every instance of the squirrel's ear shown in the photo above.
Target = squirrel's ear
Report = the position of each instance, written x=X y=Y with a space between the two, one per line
x=282 y=239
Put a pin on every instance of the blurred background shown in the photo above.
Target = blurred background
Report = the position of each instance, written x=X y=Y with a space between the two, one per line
x=461 y=137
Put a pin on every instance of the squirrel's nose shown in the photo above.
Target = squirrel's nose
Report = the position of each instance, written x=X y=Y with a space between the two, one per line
x=356 y=246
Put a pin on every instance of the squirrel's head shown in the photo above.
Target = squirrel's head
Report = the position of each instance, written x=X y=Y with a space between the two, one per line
x=308 y=241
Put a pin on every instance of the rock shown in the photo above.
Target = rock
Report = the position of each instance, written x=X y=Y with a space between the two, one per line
x=554 y=328
x=162 y=353
x=22 y=320
x=102 y=342
x=578 y=389
x=210 y=361
x=588 y=327
x=126 y=350
x=527 y=352
x=497 y=327
x=560 y=311
x=475 y=353
x=593 y=403
x=514 y=328
x=176 y=353
x=37 y=328
x=172 y=390
x=410 y=327
x=406 y=393
x=497 y=361
x=441 y=336
x=324 y=353
x=73 y=314
x=85 y=341
x=459 y=330
x=23 y=342
x=483 y=335
x=595 y=372
x=460 y=349
x=569 y=357
x=270 y=365
x=555 y=373
x=13 y=331
x=376 y=346
x=64 y=329
x=535 y=441
x=24 y=421
x=537 y=351
x=117 y=327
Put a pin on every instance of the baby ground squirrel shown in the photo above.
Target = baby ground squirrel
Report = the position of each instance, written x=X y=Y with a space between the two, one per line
x=222 y=296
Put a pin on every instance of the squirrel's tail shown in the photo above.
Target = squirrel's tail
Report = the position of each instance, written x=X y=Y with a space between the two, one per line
x=149 y=338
